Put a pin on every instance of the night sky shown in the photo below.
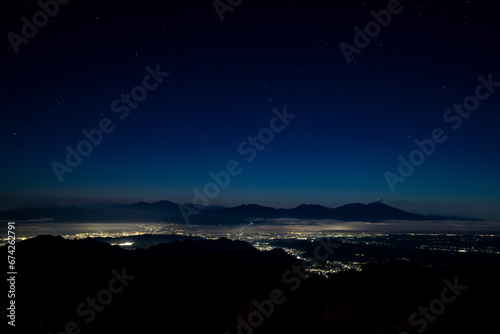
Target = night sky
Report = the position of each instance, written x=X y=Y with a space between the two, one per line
x=348 y=121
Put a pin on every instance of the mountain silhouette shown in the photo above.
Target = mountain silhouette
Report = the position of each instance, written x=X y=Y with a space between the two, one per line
x=167 y=211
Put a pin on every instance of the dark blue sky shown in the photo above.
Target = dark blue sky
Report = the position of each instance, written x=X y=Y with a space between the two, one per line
x=352 y=120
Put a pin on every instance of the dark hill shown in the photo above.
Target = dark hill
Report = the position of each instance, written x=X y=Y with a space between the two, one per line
x=204 y=286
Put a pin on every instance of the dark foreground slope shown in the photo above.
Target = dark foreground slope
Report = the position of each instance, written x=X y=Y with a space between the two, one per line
x=204 y=286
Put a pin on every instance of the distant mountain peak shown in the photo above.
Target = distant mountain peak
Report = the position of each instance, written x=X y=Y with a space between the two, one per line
x=169 y=212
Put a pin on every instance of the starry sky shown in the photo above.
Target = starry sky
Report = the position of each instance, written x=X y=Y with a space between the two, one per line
x=349 y=123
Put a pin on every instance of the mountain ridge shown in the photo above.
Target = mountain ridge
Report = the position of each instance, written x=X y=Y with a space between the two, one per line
x=167 y=211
